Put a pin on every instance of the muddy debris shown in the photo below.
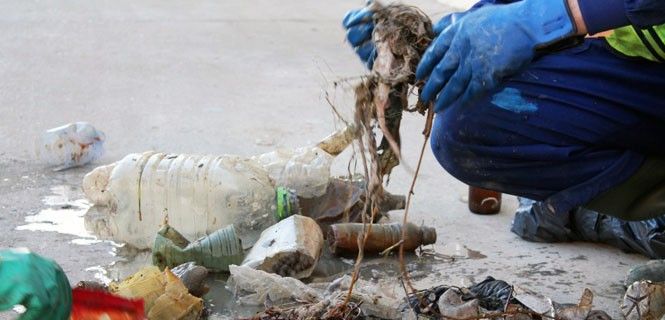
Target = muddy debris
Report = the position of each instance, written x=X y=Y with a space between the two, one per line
x=492 y=299
x=401 y=35
x=288 y=298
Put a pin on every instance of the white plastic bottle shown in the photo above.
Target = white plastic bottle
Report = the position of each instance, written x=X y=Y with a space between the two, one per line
x=71 y=145
x=200 y=194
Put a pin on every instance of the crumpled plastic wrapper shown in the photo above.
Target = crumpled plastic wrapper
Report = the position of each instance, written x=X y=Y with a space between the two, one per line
x=164 y=294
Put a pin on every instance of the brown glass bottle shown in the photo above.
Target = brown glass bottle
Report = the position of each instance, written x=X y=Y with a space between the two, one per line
x=483 y=201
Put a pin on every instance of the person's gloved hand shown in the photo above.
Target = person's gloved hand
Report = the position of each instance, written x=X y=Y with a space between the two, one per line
x=447 y=20
x=471 y=55
x=455 y=16
x=359 y=26
x=34 y=282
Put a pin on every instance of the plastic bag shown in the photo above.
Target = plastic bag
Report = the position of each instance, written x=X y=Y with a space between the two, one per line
x=253 y=287
x=164 y=294
x=71 y=145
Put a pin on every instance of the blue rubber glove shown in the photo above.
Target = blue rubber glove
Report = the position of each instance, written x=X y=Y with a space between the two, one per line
x=36 y=283
x=448 y=20
x=454 y=17
x=473 y=54
x=359 y=26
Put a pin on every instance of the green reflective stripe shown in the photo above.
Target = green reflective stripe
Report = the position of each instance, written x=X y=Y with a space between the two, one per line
x=657 y=39
x=633 y=42
x=651 y=45
x=627 y=42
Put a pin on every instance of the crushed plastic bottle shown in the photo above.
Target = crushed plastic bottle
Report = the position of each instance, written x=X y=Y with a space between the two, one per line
x=201 y=194
x=216 y=251
x=74 y=144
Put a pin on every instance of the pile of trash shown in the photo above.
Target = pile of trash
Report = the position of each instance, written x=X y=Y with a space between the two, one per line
x=269 y=220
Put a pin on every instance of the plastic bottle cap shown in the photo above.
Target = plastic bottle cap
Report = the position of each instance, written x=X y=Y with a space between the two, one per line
x=287 y=204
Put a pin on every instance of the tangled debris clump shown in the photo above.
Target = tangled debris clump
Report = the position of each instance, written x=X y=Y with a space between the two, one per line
x=401 y=35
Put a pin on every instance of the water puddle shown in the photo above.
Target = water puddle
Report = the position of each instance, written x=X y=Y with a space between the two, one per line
x=64 y=215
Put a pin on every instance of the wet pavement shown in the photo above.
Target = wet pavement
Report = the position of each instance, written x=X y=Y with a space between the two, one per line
x=224 y=77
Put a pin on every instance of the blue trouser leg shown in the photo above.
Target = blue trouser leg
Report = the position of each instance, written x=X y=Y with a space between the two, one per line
x=569 y=127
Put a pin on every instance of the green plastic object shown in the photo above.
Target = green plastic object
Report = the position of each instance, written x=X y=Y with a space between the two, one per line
x=34 y=282
x=287 y=204
x=216 y=251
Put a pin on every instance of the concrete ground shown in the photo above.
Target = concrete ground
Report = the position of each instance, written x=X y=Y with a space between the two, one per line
x=230 y=77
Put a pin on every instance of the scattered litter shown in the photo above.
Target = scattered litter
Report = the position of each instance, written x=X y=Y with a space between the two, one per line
x=201 y=194
x=493 y=298
x=260 y=197
x=292 y=247
x=215 y=251
x=288 y=298
x=74 y=144
x=164 y=294
x=372 y=299
x=343 y=238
